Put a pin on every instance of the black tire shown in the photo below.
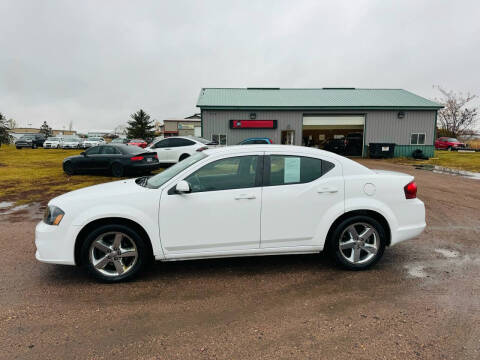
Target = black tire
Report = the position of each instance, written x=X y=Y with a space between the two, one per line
x=34 y=146
x=68 y=168
x=18 y=147
x=117 y=170
x=183 y=156
x=449 y=148
x=105 y=231
x=333 y=245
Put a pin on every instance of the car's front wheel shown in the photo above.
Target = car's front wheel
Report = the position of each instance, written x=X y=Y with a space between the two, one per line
x=114 y=253
x=358 y=242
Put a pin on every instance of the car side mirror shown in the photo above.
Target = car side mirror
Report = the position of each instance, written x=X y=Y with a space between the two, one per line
x=182 y=187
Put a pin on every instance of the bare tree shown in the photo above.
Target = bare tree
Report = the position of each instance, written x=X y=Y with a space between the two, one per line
x=456 y=118
x=12 y=123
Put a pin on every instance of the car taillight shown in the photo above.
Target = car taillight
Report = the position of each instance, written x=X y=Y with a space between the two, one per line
x=202 y=148
x=410 y=190
x=137 y=158
x=271 y=142
x=156 y=156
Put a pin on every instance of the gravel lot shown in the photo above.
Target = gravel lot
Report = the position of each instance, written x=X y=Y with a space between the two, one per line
x=421 y=301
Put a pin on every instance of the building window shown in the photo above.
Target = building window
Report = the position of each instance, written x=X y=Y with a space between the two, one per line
x=220 y=139
x=417 y=139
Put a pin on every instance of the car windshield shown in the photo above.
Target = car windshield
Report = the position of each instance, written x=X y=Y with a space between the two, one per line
x=160 y=179
x=94 y=139
x=53 y=139
x=136 y=141
x=27 y=137
x=452 y=140
x=71 y=139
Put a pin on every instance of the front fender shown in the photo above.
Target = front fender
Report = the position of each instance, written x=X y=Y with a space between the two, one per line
x=143 y=219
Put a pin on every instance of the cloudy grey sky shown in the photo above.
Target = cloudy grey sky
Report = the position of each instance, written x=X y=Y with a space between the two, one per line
x=95 y=62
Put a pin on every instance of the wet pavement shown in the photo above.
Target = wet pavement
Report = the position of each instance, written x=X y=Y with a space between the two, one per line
x=421 y=301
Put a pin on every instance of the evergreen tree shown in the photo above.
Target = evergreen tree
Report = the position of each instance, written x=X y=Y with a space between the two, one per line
x=5 y=137
x=140 y=127
x=46 y=130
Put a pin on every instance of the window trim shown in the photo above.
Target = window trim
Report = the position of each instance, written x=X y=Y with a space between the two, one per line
x=419 y=133
x=267 y=167
x=226 y=139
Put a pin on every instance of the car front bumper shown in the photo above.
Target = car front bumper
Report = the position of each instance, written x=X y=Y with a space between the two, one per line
x=55 y=244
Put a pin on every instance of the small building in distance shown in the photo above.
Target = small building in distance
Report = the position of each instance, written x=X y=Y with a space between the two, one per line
x=189 y=126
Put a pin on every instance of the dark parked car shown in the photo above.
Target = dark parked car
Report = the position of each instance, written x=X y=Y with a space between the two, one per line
x=336 y=146
x=116 y=159
x=354 y=144
x=252 y=141
x=31 y=141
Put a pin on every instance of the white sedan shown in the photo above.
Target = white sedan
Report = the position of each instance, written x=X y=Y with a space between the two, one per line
x=176 y=148
x=233 y=201
x=93 y=141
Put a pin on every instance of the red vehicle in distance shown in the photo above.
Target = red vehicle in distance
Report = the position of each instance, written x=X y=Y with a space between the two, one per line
x=138 y=142
x=448 y=143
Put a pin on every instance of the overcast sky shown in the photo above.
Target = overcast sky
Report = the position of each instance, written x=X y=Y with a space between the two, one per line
x=94 y=63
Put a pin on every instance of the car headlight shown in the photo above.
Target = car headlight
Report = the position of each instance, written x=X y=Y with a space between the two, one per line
x=53 y=215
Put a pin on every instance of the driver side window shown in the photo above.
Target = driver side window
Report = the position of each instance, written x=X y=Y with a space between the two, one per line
x=93 y=151
x=162 y=144
x=225 y=174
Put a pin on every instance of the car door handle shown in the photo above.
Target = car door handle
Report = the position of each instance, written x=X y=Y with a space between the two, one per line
x=245 y=197
x=327 y=190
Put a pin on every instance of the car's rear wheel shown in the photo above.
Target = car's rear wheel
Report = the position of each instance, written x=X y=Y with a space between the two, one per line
x=117 y=170
x=34 y=146
x=183 y=156
x=114 y=253
x=358 y=242
x=68 y=168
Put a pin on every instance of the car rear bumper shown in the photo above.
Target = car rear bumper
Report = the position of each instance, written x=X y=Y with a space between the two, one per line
x=144 y=167
x=54 y=245
x=411 y=217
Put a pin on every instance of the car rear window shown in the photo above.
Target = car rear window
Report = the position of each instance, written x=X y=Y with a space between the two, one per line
x=126 y=149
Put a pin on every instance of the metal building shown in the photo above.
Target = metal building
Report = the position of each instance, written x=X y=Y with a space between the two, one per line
x=315 y=117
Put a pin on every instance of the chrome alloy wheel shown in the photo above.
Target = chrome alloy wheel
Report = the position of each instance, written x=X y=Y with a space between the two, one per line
x=359 y=243
x=113 y=254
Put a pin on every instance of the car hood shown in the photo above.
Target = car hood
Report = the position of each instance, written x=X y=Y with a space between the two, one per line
x=115 y=190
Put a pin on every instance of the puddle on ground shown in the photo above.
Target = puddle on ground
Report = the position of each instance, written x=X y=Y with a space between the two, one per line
x=416 y=271
x=5 y=204
x=24 y=212
x=447 y=253
x=444 y=170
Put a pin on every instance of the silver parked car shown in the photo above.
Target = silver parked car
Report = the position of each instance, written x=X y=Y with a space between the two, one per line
x=71 y=142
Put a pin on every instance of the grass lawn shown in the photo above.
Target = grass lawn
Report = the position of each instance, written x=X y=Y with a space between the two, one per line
x=449 y=159
x=30 y=175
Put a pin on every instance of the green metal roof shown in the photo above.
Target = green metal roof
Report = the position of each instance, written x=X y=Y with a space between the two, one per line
x=325 y=98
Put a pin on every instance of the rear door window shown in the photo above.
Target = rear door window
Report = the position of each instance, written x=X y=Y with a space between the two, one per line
x=288 y=169
x=177 y=142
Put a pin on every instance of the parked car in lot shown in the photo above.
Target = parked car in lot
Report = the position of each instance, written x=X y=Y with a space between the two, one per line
x=116 y=159
x=31 y=141
x=138 y=142
x=336 y=146
x=233 y=201
x=53 y=142
x=256 y=141
x=71 y=142
x=447 y=143
x=93 y=141
x=177 y=148
x=120 y=141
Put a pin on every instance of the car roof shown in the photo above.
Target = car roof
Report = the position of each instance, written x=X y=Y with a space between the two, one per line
x=352 y=166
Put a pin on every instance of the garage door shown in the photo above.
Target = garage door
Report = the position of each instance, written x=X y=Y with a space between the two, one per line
x=345 y=121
